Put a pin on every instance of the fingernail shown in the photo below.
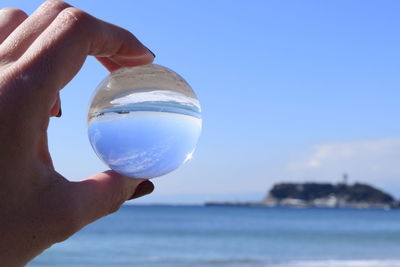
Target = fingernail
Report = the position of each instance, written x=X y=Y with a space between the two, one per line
x=154 y=55
x=144 y=188
x=59 y=113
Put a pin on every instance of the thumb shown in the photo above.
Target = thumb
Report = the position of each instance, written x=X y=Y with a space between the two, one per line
x=104 y=193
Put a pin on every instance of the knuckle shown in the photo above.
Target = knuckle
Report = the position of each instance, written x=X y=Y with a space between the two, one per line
x=13 y=13
x=53 y=6
x=54 y=9
x=75 y=17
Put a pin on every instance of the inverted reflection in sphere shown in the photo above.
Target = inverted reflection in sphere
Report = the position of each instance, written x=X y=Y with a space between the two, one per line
x=144 y=121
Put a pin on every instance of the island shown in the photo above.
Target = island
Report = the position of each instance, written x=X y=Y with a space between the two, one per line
x=328 y=195
x=322 y=195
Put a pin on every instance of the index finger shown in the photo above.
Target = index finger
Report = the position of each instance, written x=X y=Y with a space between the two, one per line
x=59 y=52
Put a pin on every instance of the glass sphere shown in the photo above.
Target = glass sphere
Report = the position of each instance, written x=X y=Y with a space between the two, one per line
x=144 y=121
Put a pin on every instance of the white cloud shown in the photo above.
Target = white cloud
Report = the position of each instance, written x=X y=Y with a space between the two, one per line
x=143 y=161
x=372 y=161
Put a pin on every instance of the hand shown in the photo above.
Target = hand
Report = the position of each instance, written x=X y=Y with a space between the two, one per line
x=39 y=55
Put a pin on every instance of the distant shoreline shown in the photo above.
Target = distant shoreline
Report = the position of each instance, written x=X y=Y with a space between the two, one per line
x=322 y=195
x=357 y=207
x=247 y=205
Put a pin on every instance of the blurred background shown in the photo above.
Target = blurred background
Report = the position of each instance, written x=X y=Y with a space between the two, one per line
x=291 y=91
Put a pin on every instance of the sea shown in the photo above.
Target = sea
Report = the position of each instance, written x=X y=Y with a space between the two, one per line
x=236 y=236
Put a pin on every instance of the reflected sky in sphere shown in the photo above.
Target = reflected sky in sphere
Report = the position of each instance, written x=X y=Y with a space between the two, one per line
x=144 y=122
x=144 y=144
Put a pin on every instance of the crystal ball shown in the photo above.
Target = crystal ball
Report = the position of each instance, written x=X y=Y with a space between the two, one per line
x=144 y=121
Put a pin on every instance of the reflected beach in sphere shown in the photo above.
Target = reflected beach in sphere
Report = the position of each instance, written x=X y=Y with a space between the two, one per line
x=144 y=121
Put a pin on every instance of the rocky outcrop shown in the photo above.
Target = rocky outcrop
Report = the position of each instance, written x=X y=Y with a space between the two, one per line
x=328 y=195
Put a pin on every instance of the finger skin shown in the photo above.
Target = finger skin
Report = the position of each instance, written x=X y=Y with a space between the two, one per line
x=30 y=29
x=55 y=110
x=60 y=210
x=108 y=63
x=103 y=194
x=40 y=207
x=55 y=57
x=10 y=19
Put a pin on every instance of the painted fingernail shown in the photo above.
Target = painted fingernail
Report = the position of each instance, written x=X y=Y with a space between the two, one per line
x=144 y=188
x=59 y=113
x=154 y=55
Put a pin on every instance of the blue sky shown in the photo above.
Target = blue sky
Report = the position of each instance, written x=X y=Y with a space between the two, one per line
x=290 y=91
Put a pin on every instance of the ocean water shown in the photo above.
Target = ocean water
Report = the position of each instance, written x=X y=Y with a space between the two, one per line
x=144 y=144
x=233 y=236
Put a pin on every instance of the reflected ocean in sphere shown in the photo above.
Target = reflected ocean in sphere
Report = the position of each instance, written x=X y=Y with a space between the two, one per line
x=144 y=132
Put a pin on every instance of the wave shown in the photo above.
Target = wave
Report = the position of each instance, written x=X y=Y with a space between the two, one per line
x=342 y=263
x=254 y=262
x=205 y=262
